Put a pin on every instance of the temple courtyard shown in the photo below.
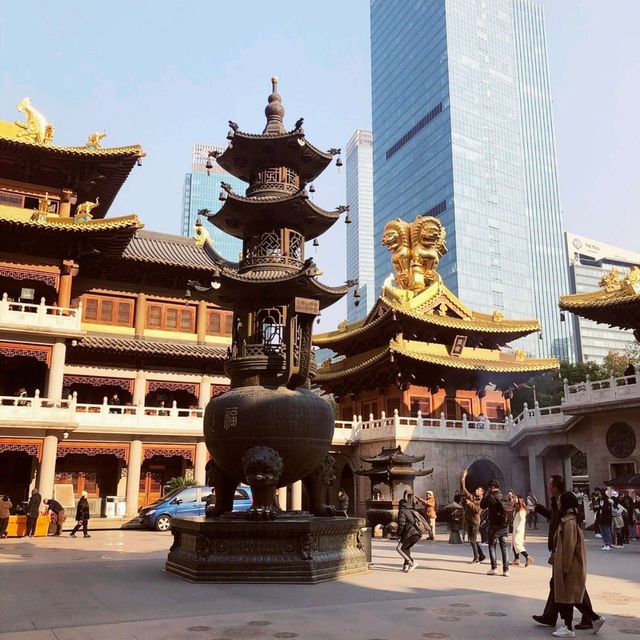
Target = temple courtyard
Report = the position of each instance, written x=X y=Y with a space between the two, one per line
x=113 y=586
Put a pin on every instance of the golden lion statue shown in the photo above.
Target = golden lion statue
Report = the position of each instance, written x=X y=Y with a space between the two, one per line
x=428 y=246
x=397 y=239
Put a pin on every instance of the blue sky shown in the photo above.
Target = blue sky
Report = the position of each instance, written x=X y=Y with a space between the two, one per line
x=169 y=74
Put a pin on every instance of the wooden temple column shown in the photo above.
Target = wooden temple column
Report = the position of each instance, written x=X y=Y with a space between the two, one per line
x=282 y=498
x=47 y=473
x=139 y=388
x=296 y=496
x=68 y=271
x=133 y=477
x=68 y=198
x=55 y=375
x=204 y=394
x=201 y=322
x=140 y=315
x=200 y=462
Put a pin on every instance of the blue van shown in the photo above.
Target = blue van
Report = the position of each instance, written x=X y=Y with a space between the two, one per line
x=186 y=502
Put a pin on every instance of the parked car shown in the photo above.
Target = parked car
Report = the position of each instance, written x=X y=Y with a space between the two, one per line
x=186 y=502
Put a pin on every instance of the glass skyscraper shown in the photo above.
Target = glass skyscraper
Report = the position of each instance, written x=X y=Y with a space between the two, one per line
x=201 y=191
x=463 y=131
x=589 y=261
x=360 y=238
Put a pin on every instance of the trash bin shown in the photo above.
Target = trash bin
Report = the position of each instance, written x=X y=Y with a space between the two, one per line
x=121 y=506
x=110 y=507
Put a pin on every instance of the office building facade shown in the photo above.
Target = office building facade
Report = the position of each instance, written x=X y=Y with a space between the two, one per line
x=463 y=131
x=360 y=238
x=589 y=261
x=201 y=190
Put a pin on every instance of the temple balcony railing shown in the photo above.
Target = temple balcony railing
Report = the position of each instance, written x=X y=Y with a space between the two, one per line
x=33 y=316
x=419 y=428
x=95 y=418
x=610 y=389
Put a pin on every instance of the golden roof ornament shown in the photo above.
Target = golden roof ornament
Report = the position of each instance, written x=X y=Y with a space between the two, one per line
x=94 y=141
x=416 y=250
x=36 y=128
x=611 y=282
x=83 y=210
x=44 y=203
x=633 y=277
x=201 y=234
x=497 y=316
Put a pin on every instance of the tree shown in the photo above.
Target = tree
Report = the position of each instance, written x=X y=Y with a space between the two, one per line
x=178 y=482
x=616 y=362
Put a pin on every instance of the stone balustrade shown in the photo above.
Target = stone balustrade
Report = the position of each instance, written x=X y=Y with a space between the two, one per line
x=30 y=315
x=611 y=388
x=419 y=427
x=110 y=418
x=142 y=419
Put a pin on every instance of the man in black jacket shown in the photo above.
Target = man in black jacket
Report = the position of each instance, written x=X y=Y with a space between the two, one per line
x=556 y=488
x=498 y=530
x=33 y=510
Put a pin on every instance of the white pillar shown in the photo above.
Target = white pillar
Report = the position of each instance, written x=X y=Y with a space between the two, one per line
x=46 y=477
x=139 y=388
x=567 y=471
x=200 y=462
x=296 y=496
x=205 y=392
x=133 y=477
x=56 y=370
x=282 y=498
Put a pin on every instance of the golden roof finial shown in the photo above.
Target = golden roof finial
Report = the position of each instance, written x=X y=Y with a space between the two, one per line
x=611 y=282
x=83 y=211
x=202 y=235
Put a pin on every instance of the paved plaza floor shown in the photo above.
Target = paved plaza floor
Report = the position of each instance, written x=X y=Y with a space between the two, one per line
x=112 y=586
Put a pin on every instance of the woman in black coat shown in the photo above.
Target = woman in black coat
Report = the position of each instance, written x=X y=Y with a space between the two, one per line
x=82 y=516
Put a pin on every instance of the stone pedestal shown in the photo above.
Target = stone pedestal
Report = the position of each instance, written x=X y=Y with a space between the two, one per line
x=295 y=548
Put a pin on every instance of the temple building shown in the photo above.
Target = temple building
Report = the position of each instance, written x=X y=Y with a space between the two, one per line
x=425 y=373
x=105 y=361
x=616 y=302
x=421 y=349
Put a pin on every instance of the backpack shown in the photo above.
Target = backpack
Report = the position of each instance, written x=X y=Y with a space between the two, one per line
x=421 y=523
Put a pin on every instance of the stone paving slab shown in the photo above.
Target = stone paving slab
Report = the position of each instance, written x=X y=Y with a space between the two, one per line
x=112 y=586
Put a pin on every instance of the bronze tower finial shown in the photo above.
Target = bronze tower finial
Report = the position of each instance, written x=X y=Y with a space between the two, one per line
x=274 y=110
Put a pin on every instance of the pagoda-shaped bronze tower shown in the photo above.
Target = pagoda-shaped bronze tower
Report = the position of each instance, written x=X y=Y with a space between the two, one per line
x=270 y=430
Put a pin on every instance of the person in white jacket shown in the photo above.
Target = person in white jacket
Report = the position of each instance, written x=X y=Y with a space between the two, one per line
x=519 y=528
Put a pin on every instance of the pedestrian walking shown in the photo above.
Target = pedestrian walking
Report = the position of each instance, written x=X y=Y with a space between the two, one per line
x=569 y=562
x=549 y=616
x=82 y=516
x=33 y=511
x=411 y=526
x=431 y=513
x=53 y=506
x=627 y=502
x=519 y=530
x=605 y=513
x=5 y=512
x=498 y=529
x=618 y=518
x=472 y=509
